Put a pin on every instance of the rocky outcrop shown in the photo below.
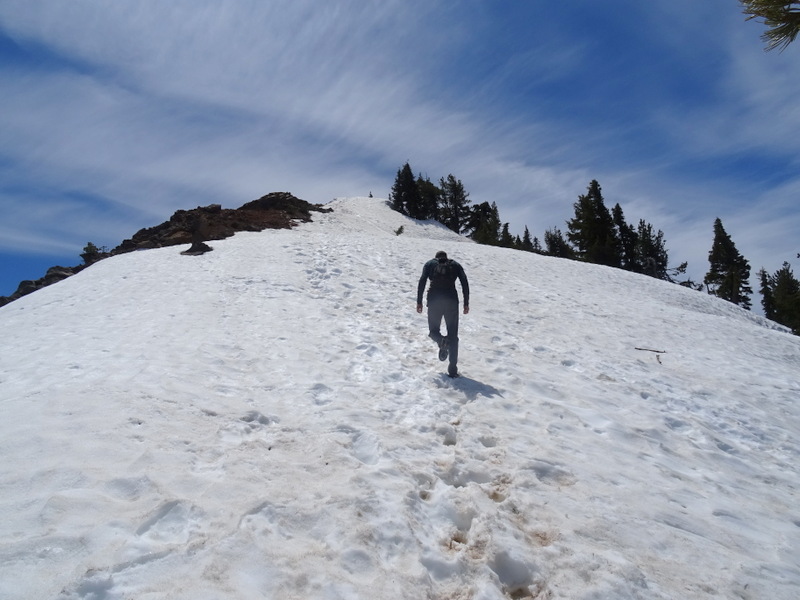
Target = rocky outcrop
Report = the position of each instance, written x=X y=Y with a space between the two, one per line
x=53 y=275
x=278 y=210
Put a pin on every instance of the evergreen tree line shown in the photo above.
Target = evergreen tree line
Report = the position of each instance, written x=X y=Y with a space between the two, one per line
x=598 y=235
x=419 y=198
x=780 y=293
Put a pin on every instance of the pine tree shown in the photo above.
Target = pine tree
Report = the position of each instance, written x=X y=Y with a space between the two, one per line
x=537 y=246
x=786 y=290
x=674 y=272
x=404 y=196
x=527 y=244
x=90 y=254
x=628 y=239
x=650 y=255
x=781 y=297
x=506 y=239
x=556 y=245
x=430 y=198
x=484 y=223
x=591 y=231
x=767 y=298
x=455 y=210
x=729 y=272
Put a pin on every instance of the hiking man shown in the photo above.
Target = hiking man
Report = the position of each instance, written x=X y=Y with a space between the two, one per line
x=443 y=303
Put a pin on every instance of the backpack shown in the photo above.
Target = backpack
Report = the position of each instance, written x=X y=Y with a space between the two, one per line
x=443 y=275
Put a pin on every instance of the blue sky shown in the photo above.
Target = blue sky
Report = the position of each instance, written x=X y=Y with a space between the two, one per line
x=116 y=114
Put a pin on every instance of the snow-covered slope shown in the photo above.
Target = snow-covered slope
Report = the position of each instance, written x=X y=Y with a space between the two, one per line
x=269 y=420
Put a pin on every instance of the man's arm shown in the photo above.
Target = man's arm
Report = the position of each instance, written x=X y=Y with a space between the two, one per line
x=462 y=277
x=421 y=287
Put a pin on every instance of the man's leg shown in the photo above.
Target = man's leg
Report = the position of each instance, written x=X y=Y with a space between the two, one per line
x=435 y=314
x=451 y=321
x=436 y=309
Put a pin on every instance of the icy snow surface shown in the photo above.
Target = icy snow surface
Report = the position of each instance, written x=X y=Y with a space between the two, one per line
x=270 y=420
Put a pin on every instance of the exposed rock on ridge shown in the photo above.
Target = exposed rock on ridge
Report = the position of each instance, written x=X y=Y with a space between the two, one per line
x=278 y=210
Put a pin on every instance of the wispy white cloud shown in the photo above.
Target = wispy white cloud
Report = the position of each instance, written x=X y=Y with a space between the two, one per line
x=147 y=107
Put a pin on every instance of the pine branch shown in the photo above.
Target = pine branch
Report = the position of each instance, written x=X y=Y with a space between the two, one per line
x=782 y=17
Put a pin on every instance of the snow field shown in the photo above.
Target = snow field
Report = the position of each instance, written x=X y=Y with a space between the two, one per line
x=269 y=420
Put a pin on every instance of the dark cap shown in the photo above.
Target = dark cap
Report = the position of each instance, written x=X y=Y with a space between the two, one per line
x=441 y=254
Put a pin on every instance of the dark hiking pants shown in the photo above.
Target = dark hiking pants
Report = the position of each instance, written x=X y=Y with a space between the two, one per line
x=444 y=308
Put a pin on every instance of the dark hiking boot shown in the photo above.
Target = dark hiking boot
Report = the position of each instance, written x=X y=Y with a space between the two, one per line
x=452 y=371
x=444 y=347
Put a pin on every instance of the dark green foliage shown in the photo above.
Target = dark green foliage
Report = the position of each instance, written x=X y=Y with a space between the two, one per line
x=650 y=255
x=601 y=237
x=455 y=210
x=484 y=223
x=591 y=231
x=781 y=16
x=767 y=299
x=405 y=197
x=506 y=239
x=526 y=244
x=781 y=297
x=421 y=199
x=628 y=239
x=596 y=235
x=556 y=245
x=91 y=254
x=429 y=198
x=681 y=270
x=786 y=295
x=417 y=198
x=729 y=273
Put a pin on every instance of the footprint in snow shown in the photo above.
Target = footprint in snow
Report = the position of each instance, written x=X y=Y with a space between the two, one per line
x=322 y=394
x=171 y=523
x=365 y=446
x=517 y=576
x=552 y=474
x=253 y=422
x=256 y=419
x=459 y=476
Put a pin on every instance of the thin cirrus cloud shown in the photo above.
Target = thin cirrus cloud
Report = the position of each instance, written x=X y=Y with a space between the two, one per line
x=117 y=114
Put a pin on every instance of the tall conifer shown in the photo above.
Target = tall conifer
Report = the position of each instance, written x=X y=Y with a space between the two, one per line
x=556 y=245
x=404 y=196
x=781 y=297
x=429 y=198
x=527 y=243
x=729 y=272
x=627 y=237
x=484 y=223
x=455 y=209
x=651 y=256
x=506 y=239
x=592 y=231
x=767 y=298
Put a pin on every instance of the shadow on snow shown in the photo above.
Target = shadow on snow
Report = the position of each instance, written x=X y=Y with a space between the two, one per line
x=470 y=387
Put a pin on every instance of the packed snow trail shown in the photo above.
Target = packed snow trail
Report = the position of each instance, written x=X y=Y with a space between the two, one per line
x=269 y=420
